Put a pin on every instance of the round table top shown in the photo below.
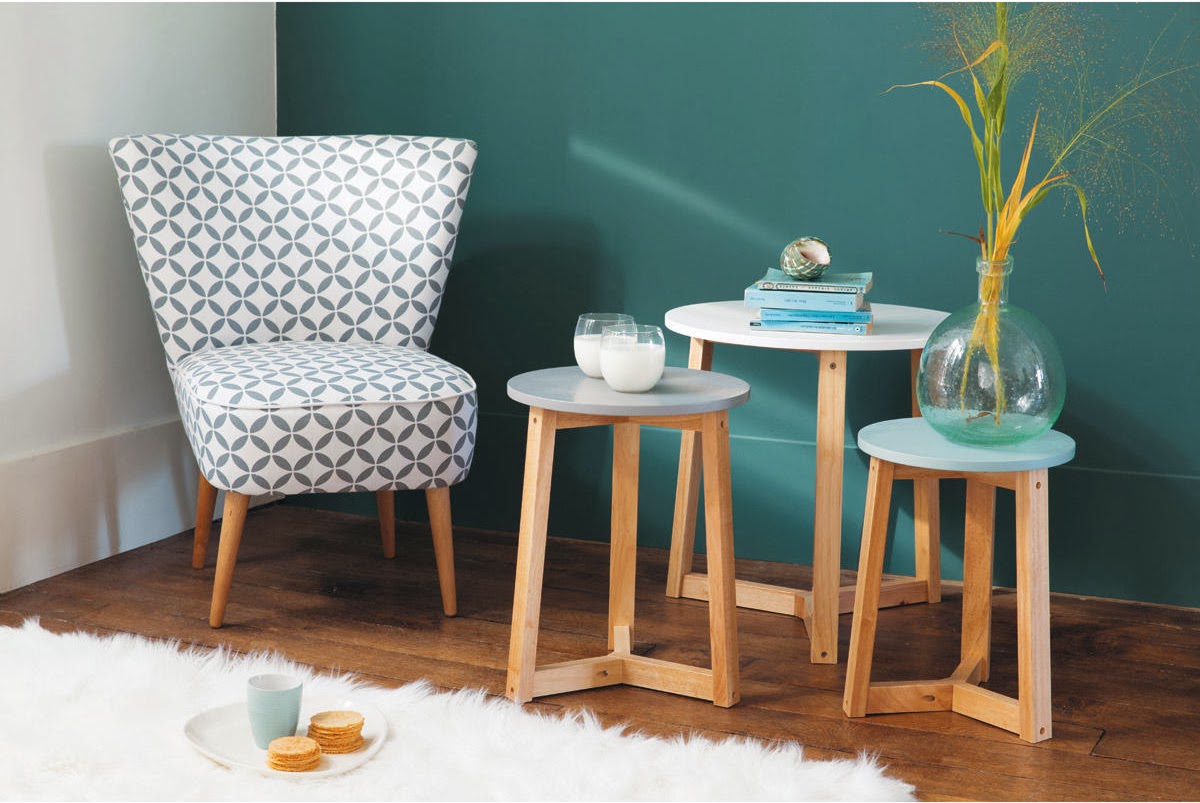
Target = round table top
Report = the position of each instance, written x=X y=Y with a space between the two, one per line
x=895 y=328
x=681 y=391
x=912 y=442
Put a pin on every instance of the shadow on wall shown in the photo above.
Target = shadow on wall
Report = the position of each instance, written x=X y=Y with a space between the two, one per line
x=111 y=431
x=1101 y=545
x=516 y=289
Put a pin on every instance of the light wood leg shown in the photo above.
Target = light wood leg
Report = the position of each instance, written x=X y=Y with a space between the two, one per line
x=206 y=501
x=438 y=502
x=977 y=582
x=866 y=596
x=1033 y=605
x=927 y=534
x=232 y=522
x=914 y=368
x=926 y=510
x=687 y=488
x=718 y=521
x=623 y=552
x=531 y=554
x=385 y=503
x=827 y=524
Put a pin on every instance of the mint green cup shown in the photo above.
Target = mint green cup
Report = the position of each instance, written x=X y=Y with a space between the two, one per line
x=273 y=704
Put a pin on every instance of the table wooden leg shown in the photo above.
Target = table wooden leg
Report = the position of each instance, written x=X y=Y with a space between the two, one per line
x=827 y=524
x=927 y=537
x=531 y=554
x=866 y=595
x=927 y=546
x=977 y=583
x=687 y=488
x=914 y=368
x=718 y=520
x=1033 y=605
x=623 y=550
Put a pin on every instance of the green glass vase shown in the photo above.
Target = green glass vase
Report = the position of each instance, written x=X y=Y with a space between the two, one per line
x=991 y=373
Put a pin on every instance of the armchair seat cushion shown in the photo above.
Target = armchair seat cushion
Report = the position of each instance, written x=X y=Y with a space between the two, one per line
x=315 y=416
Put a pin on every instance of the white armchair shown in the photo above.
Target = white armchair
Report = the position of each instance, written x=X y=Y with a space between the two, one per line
x=296 y=282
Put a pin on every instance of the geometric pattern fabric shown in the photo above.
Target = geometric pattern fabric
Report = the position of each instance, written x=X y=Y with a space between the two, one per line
x=302 y=417
x=295 y=283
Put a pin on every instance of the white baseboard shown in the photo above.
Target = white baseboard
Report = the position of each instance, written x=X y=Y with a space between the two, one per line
x=68 y=507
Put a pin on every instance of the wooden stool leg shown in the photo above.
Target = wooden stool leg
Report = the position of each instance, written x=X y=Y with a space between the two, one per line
x=827 y=523
x=385 y=504
x=687 y=489
x=926 y=511
x=718 y=542
x=1033 y=605
x=866 y=594
x=623 y=551
x=977 y=582
x=232 y=522
x=206 y=500
x=927 y=531
x=531 y=554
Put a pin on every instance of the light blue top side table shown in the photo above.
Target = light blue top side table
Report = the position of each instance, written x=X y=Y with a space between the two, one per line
x=911 y=449
x=566 y=398
x=896 y=328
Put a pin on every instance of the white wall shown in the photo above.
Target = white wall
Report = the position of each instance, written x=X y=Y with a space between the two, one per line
x=92 y=455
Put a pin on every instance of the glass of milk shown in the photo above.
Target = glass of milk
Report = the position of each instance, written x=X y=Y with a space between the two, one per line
x=587 y=338
x=632 y=357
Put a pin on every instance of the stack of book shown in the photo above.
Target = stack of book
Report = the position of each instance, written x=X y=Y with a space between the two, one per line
x=836 y=303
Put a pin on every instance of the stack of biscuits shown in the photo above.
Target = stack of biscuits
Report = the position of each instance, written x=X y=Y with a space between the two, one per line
x=337 y=731
x=293 y=754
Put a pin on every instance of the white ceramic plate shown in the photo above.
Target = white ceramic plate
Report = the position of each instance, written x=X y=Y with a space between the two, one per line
x=223 y=734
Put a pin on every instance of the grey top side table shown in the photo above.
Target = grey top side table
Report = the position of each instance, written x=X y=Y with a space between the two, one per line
x=688 y=400
x=896 y=328
x=680 y=392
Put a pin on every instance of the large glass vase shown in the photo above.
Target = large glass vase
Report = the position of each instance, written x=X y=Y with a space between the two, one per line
x=991 y=373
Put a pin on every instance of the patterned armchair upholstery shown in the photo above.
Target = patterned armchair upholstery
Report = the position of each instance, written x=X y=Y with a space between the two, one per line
x=295 y=282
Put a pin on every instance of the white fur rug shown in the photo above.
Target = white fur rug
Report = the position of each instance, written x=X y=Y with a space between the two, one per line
x=84 y=718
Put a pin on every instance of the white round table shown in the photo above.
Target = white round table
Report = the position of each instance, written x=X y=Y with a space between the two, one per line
x=896 y=328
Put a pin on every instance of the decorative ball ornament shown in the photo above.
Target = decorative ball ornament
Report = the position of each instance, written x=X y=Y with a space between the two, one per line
x=805 y=259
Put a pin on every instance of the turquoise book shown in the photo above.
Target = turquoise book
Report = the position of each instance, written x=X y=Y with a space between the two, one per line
x=776 y=279
x=790 y=299
x=858 y=316
x=822 y=327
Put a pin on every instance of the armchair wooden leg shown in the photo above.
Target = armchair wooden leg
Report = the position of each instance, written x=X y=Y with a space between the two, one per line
x=206 y=500
x=385 y=503
x=231 y=538
x=438 y=502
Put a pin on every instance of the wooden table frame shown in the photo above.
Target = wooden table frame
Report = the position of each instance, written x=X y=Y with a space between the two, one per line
x=526 y=680
x=1028 y=715
x=820 y=607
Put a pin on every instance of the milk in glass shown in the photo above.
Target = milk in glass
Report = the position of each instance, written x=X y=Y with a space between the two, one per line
x=632 y=367
x=587 y=354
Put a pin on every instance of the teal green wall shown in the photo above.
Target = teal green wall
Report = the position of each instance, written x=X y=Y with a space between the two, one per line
x=639 y=157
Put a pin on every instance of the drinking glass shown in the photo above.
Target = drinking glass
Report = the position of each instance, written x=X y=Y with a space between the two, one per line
x=587 y=338
x=632 y=357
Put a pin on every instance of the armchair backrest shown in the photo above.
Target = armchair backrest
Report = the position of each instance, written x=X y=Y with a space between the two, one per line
x=256 y=239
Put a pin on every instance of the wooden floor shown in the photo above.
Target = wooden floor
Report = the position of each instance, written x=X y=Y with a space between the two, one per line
x=314 y=586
